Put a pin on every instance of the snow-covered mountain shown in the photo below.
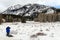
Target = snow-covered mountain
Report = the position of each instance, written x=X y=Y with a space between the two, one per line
x=29 y=10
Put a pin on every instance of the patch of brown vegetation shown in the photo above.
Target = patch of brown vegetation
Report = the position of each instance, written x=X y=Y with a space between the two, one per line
x=41 y=34
x=34 y=35
x=38 y=34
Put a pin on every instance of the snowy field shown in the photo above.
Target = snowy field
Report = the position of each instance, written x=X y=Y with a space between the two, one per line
x=25 y=31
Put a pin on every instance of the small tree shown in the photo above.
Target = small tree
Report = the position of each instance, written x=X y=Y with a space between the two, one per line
x=23 y=20
x=0 y=18
x=9 y=18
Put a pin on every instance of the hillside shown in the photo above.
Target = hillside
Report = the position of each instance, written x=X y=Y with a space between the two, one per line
x=29 y=10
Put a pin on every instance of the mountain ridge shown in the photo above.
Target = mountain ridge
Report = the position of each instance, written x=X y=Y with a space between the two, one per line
x=29 y=9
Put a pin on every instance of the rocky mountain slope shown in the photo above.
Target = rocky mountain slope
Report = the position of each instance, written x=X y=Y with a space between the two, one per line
x=29 y=10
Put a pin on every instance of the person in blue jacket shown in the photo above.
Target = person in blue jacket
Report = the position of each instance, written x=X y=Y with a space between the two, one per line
x=8 y=31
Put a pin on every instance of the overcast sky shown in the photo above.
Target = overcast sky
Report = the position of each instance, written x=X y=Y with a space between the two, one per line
x=4 y=4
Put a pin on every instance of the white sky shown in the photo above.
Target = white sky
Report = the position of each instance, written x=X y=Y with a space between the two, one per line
x=4 y=4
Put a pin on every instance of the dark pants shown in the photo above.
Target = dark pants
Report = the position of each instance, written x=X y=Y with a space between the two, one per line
x=7 y=34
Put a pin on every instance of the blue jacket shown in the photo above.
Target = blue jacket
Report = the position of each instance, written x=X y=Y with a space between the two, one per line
x=8 y=29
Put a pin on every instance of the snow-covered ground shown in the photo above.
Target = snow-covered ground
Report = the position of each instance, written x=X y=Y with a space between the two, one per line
x=24 y=31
